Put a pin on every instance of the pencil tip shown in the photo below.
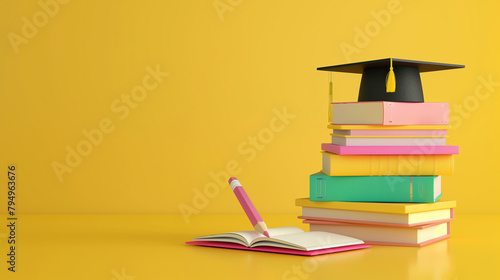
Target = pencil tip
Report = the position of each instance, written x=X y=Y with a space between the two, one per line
x=266 y=233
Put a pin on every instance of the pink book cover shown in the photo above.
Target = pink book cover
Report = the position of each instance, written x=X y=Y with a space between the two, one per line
x=389 y=150
x=333 y=221
x=277 y=249
x=413 y=113
x=388 y=141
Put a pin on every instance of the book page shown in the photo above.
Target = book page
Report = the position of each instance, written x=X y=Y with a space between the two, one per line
x=246 y=237
x=283 y=230
x=242 y=237
x=308 y=241
x=251 y=235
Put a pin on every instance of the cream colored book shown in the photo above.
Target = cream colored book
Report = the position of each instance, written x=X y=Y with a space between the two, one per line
x=377 y=217
x=390 y=113
x=394 y=236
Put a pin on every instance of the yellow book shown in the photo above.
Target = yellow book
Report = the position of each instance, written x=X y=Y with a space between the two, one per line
x=387 y=127
x=395 y=208
x=387 y=165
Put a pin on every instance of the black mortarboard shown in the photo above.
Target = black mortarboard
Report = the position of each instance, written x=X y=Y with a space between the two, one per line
x=380 y=83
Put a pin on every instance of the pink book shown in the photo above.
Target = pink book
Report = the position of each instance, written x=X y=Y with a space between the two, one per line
x=277 y=249
x=389 y=150
x=285 y=240
x=390 y=113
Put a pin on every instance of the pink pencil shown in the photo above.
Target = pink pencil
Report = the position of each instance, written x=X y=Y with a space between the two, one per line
x=247 y=205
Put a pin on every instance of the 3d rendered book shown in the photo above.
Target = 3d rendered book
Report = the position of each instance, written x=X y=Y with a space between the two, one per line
x=390 y=214
x=390 y=113
x=387 y=165
x=387 y=127
x=286 y=240
x=389 y=150
x=416 y=236
x=395 y=208
x=392 y=132
x=423 y=189
x=378 y=140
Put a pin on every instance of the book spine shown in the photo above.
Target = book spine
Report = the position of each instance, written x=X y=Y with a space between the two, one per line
x=387 y=165
x=372 y=188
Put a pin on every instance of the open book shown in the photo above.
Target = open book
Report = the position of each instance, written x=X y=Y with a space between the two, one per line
x=287 y=240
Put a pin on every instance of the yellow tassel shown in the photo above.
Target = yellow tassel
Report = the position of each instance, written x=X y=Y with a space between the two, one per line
x=330 y=100
x=390 y=80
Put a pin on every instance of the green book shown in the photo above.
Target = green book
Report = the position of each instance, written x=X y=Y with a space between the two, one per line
x=422 y=189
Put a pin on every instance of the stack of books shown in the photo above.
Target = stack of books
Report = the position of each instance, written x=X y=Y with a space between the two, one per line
x=381 y=174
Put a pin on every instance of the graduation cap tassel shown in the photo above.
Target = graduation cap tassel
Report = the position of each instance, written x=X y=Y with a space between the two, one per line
x=390 y=81
x=330 y=100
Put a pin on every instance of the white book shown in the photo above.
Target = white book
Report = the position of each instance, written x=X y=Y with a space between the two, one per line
x=288 y=240
x=409 y=236
x=344 y=140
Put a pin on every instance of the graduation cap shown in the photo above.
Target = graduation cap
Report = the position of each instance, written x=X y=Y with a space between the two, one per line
x=390 y=79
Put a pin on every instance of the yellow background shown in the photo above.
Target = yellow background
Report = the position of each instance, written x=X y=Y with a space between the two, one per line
x=228 y=74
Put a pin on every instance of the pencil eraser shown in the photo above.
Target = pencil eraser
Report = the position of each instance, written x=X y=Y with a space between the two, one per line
x=231 y=179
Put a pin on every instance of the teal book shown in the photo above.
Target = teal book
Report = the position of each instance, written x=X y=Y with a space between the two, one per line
x=420 y=189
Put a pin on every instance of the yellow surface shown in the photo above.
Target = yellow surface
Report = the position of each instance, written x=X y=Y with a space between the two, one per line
x=242 y=97
x=386 y=127
x=396 y=208
x=119 y=247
